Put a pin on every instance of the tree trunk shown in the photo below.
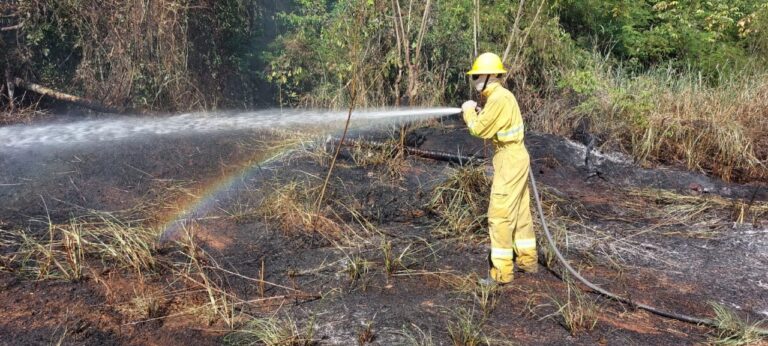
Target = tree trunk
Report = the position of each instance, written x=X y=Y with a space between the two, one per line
x=399 y=36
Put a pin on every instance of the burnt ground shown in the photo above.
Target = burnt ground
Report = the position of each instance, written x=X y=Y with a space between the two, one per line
x=669 y=238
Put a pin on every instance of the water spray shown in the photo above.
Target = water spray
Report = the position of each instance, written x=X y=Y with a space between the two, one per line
x=88 y=132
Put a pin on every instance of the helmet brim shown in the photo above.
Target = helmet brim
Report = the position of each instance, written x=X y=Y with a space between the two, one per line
x=476 y=72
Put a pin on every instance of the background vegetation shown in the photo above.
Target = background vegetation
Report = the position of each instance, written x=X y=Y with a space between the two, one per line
x=680 y=82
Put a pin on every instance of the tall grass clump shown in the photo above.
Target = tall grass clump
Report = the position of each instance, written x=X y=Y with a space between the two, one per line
x=733 y=330
x=292 y=206
x=662 y=116
x=466 y=329
x=578 y=312
x=461 y=201
x=273 y=331
x=65 y=251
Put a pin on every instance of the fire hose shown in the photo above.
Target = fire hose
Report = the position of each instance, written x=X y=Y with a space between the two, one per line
x=464 y=159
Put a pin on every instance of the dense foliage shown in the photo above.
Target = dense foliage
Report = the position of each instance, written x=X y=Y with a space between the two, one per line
x=716 y=38
x=161 y=55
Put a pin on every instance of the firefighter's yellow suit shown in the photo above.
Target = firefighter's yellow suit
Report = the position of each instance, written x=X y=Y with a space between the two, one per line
x=509 y=214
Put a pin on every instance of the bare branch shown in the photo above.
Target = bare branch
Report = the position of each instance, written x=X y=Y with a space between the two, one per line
x=91 y=104
x=422 y=29
x=410 y=10
x=14 y=27
x=525 y=38
x=404 y=34
x=515 y=26
x=476 y=23
x=398 y=23
x=399 y=36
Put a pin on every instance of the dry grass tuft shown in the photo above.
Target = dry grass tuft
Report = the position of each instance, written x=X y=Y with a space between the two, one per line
x=485 y=296
x=146 y=304
x=415 y=336
x=366 y=335
x=273 y=331
x=461 y=202
x=367 y=156
x=732 y=330
x=466 y=329
x=64 y=251
x=357 y=269
x=389 y=157
x=409 y=254
x=577 y=312
x=292 y=207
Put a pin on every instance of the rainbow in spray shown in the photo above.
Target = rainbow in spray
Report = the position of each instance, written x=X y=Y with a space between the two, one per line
x=233 y=184
x=212 y=194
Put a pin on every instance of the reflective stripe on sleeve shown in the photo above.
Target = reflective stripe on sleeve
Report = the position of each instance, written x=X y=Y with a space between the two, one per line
x=526 y=243
x=502 y=253
x=510 y=132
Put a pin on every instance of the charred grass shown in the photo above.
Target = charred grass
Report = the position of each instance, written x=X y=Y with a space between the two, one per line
x=611 y=229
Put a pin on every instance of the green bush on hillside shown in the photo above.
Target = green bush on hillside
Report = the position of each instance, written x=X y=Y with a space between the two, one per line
x=716 y=38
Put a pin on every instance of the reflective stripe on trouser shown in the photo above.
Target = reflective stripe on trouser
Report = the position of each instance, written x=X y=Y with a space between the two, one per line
x=509 y=213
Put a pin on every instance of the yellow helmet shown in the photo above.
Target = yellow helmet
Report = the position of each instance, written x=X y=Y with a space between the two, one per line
x=487 y=63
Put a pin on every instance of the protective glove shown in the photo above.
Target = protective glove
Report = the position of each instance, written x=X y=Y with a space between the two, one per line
x=468 y=105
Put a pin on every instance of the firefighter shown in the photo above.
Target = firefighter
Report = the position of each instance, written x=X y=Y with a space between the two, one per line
x=513 y=240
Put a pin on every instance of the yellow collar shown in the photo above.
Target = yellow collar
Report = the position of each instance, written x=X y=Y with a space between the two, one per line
x=491 y=88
